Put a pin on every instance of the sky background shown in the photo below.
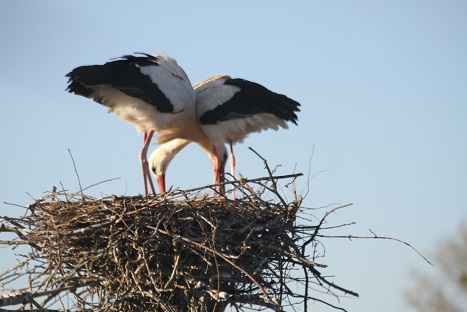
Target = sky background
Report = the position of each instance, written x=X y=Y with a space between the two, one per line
x=383 y=89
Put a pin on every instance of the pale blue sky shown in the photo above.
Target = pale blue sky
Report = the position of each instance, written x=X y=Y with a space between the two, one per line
x=383 y=88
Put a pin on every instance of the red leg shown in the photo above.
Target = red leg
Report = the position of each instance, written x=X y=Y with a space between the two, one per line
x=220 y=177
x=232 y=160
x=218 y=172
x=147 y=136
x=232 y=169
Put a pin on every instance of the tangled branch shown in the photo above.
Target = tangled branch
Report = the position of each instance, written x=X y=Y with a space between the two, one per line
x=179 y=251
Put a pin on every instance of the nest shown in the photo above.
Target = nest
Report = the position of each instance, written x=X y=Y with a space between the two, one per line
x=182 y=251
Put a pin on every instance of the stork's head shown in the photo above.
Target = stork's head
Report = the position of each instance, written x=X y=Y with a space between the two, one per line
x=160 y=159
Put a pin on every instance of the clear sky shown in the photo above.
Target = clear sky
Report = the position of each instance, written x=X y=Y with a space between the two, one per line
x=383 y=89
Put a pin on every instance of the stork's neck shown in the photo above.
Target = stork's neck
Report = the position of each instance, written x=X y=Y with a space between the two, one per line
x=163 y=155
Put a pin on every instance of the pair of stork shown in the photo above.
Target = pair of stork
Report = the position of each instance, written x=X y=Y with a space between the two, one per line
x=153 y=93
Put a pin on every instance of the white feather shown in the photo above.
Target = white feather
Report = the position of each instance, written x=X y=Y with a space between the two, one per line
x=142 y=115
x=236 y=130
x=172 y=81
x=211 y=93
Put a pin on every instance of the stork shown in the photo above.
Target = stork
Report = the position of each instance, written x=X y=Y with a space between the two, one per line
x=151 y=92
x=228 y=110
x=155 y=95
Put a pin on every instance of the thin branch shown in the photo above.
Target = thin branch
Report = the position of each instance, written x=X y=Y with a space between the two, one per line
x=77 y=175
x=312 y=238
x=273 y=181
x=239 y=182
x=98 y=183
x=376 y=237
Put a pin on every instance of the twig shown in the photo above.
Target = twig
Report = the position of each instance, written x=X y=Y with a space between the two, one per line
x=76 y=172
x=376 y=237
x=98 y=183
x=26 y=296
x=242 y=181
x=274 y=184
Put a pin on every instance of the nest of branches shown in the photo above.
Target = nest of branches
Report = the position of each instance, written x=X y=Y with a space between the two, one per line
x=182 y=251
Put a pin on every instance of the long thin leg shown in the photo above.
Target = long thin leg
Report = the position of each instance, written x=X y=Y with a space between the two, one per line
x=232 y=161
x=232 y=169
x=147 y=136
x=218 y=172
x=143 y=161
x=148 y=173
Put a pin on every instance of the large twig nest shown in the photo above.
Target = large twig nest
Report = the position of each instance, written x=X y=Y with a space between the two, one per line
x=177 y=252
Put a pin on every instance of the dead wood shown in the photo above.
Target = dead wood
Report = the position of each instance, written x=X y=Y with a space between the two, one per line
x=180 y=251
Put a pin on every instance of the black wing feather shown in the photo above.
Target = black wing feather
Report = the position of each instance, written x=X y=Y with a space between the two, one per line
x=252 y=99
x=123 y=74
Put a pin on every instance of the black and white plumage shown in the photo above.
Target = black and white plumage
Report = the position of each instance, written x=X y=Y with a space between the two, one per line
x=151 y=92
x=228 y=110
x=154 y=94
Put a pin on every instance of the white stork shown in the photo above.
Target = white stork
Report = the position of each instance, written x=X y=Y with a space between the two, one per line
x=228 y=110
x=150 y=91
x=154 y=94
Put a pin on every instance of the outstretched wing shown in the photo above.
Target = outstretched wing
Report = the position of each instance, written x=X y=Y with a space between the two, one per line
x=233 y=108
x=150 y=78
x=136 y=87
